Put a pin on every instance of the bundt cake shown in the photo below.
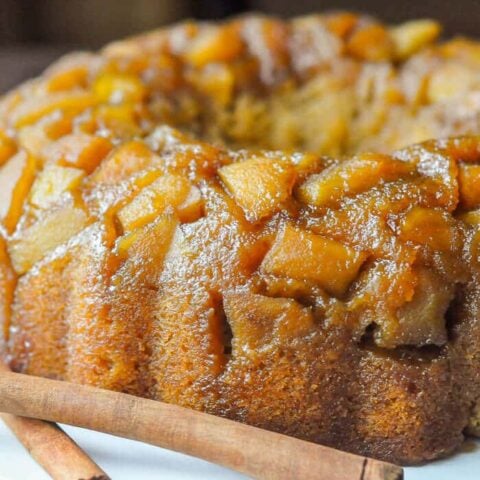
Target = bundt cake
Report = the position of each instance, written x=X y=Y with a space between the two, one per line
x=194 y=215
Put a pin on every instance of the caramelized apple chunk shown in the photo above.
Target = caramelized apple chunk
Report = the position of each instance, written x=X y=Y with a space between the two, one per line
x=33 y=138
x=169 y=191
x=307 y=164
x=118 y=88
x=43 y=236
x=469 y=185
x=259 y=185
x=217 y=81
x=37 y=107
x=302 y=255
x=448 y=82
x=214 y=45
x=349 y=178
x=421 y=321
x=259 y=322
x=37 y=137
x=372 y=43
x=409 y=37
x=146 y=247
x=7 y=148
x=78 y=150
x=118 y=118
x=52 y=182
x=123 y=162
x=69 y=79
x=471 y=218
x=192 y=207
x=16 y=178
x=426 y=226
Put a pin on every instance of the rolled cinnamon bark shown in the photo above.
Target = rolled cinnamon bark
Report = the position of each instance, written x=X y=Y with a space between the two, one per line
x=52 y=448
x=255 y=452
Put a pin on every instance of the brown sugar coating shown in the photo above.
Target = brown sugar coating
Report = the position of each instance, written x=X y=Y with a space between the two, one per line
x=172 y=227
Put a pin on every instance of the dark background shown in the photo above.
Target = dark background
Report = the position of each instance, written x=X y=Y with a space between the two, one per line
x=34 y=32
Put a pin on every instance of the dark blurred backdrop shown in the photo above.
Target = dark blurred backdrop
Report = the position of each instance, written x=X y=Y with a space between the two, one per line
x=34 y=32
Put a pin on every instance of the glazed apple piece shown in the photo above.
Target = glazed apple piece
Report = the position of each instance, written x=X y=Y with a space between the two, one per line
x=78 y=150
x=420 y=321
x=33 y=109
x=118 y=88
x=69 y=79
x=427 y=226
x=449 y=81
x=469 y=185
x=471 y=218
x=217 y=81
x=341 y=23
x=307 y=164
x=16 y=178
x=214 y=45
x=413 y=311
x=271 y=33
x=302 y=255
x=7 y=148
x=169 y=191
x=349 y=178
x=259 y=185
x=52 y=182
x=439 y=167
x=46 y=234
x=301 y=290
x=192 y=208
x=410 y=37
x=34 y=138
x=37 y=137
x=258 y=322
x=70 y=72
x=120 y=119
x=123 y=162
x=149 y=244
x=371 y=42
x=423 y=319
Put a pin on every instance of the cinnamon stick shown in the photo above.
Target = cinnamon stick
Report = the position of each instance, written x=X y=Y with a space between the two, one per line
x=52 y=448
x=255 y=452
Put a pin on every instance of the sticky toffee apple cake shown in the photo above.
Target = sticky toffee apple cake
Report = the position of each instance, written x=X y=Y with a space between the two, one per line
x=195 y=216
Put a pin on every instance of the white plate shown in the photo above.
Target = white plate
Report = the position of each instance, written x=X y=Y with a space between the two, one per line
x=125 y=459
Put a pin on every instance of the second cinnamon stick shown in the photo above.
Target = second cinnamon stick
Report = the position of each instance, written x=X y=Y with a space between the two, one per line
x=52 y=448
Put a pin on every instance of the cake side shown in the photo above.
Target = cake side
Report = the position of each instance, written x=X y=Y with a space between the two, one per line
x=346 y=325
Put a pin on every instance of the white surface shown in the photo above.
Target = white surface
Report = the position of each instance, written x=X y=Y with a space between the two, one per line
x=124 y=459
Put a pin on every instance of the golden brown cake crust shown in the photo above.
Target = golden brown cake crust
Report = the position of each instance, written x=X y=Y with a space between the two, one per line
x=333 y=299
